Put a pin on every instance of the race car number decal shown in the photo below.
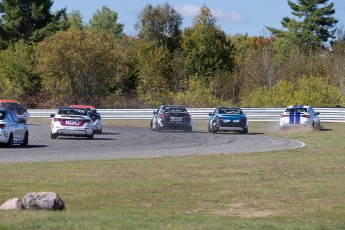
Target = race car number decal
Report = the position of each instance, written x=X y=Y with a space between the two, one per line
x=73 y=123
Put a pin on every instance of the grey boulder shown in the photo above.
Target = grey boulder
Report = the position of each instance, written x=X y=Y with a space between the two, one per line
x=43 y=200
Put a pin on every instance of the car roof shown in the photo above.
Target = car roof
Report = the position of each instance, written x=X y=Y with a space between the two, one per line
x=9 y=101
x=173 y=106
x=69 y=107
x=83 y=106
x=224 y=107
x=298 y=106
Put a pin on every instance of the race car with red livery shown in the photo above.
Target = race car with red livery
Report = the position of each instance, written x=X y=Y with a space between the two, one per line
x=14 y=106
x=69 y=121
x=300 y=115
x=95 y=116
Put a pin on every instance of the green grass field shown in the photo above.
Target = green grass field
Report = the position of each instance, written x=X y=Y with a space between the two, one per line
x=295 y=189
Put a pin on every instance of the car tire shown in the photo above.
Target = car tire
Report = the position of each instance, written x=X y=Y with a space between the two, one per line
x=316 y=125
x=151 y=126
x=9 y=143
x=209 y=128
x=89 y=137
x=158 y=128
x=26 y=139
x=188 y=129
x=214 y=130
x=245 y=131
x=53 y=136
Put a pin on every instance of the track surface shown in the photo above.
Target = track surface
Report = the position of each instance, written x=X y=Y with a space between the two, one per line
x=124 y=142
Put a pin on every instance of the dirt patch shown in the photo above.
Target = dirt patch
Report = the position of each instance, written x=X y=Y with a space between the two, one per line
x=245 y=210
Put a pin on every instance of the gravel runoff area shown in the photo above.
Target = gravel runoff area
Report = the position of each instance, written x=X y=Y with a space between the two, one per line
x=129 y=142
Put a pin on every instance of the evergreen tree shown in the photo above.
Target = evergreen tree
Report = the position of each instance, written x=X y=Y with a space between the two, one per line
x=75 y=20
x=28 y=20
x=106 y=20
x=313 y=23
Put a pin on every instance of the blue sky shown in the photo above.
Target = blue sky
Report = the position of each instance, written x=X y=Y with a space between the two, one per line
x=233 y=16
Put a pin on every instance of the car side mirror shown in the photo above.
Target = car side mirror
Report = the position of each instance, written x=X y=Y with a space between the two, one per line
x=317 y=113
x=210 y=114
x=52 y=115
x=154 y=112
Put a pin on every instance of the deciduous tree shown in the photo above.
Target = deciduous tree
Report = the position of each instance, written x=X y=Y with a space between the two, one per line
x=17 y=75
x=206 y=47
x=82 y=67
x=161 y=24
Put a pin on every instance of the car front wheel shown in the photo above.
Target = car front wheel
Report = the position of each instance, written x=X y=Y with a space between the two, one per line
x=26 y=139
x=9 y=143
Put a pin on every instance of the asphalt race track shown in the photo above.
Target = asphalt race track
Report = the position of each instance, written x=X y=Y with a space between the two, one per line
x=124 y=142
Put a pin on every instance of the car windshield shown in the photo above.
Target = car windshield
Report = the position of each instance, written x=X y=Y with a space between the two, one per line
x=230 y=111
x=92 y=110
x=12 y=104
x=175 y=110
x=69 y=111
x=296 y=110
x=2 y=115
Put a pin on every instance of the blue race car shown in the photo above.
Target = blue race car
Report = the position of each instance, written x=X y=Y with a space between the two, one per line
x=228 y=119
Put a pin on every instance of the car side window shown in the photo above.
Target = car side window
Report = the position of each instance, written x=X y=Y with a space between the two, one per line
x=14 y=118
x=9 y=117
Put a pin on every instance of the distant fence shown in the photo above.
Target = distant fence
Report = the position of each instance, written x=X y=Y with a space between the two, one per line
x=253 y=114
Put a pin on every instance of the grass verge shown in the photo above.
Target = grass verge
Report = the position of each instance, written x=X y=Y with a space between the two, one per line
x=294 y=189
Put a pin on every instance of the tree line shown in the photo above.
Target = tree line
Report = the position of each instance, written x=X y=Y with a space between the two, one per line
x=52 y=59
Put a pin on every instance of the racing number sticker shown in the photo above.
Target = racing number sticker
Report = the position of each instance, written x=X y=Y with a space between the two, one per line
x=73 y=123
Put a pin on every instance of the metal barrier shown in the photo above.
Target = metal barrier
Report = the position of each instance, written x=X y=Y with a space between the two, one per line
x=253 y=114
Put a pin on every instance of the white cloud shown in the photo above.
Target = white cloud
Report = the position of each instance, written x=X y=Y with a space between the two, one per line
x=190 y=11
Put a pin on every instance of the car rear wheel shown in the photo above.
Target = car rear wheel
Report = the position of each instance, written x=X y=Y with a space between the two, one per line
x=214 y=129
x=188 y=129
x=26 y=139
x=53 y=135
x=9 y=143
x=245 y=131
x=90 y=137
x=316 y=125
x=209 y=128
x=151 y=126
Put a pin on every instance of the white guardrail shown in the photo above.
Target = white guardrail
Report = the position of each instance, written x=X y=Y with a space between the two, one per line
x=253 y=114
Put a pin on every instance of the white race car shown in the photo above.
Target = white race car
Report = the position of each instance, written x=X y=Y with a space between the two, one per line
x=71 y=122
x=95 y=116
x=12 y=130
x=299 y=115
